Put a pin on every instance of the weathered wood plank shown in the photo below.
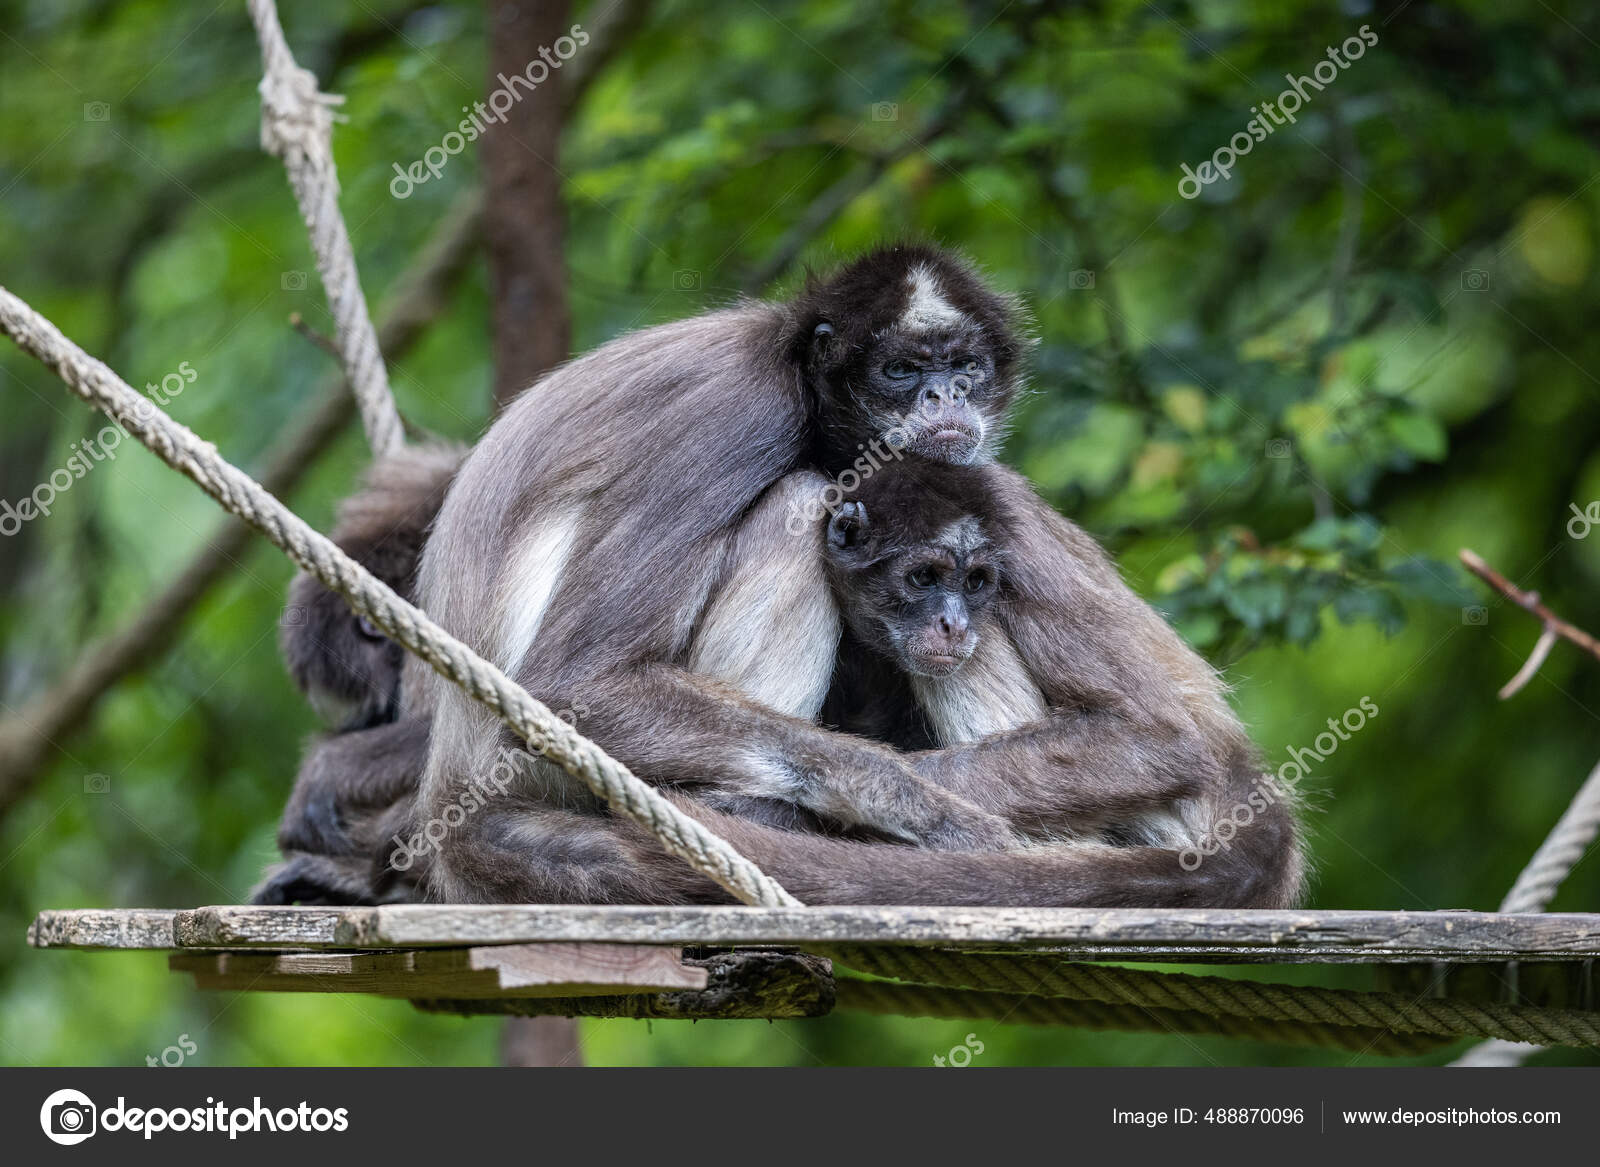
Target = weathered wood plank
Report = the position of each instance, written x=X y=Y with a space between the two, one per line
x=1140 y=934
x=252 y=927
x=105 y=928
x=505 y=970
x=1149 y=933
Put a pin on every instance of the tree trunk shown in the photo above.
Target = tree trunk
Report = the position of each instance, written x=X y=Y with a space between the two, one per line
x=525 y=230
x=524 y=221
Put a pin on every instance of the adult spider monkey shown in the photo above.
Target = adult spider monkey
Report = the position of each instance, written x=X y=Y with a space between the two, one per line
x=628 y=582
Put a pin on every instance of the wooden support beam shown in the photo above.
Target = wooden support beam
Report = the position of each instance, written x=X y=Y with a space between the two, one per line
x=742 y=985
x=505 y=970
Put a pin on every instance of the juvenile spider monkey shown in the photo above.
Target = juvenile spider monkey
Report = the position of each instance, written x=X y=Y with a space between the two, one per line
x=663 y=586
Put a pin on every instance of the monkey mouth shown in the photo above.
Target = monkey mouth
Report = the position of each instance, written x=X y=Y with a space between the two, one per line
x=938 y=664
x=948 y=443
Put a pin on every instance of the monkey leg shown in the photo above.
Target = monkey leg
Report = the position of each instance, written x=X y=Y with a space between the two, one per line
x=531 y=853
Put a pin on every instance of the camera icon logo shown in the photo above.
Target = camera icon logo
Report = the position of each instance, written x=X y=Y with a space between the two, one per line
x=885 y=111
x=294 y=616
x=1476 y=616
x=96 y=111
x=97 y=784
x=686 y=280
x=68 y=1117
x=294 y=281
x=1278 y=448
x=1081 y=280
x=1474 y=280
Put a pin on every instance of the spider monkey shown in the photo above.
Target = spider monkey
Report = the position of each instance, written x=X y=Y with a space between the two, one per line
x=667 y=592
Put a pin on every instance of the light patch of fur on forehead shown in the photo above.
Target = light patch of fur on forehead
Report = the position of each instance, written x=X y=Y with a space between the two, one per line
x=963 y=537
x=928 y=310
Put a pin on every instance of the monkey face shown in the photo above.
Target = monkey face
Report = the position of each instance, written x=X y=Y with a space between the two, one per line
x=939 y=389
x=935 y=599
x=909 y=349
x=347 y=668
x=918 y=603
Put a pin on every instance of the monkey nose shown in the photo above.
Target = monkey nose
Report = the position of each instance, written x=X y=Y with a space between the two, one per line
x=953 y=627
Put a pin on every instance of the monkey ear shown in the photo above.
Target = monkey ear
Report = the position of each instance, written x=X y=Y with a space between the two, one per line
x=848 y=526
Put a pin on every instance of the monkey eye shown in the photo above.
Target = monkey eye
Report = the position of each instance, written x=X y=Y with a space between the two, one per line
x=976 y=581
x=923 y=577
x=899 y=370
x=972 y=367
x=368 y=629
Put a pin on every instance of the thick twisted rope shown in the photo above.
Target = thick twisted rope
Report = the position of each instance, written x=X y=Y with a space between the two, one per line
x=297 y=126
x=407 y=625
x=1560 y=852
x=1031 y=1009
x=1215 y=995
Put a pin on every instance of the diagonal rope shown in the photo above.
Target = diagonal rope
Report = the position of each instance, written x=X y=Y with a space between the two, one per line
x=297 y=126
x=1566 y=844
x=1217 y=995
x=406 y=624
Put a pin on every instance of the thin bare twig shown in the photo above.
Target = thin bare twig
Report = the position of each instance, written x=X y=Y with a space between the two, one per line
x=321 y=340
x=1554 y=626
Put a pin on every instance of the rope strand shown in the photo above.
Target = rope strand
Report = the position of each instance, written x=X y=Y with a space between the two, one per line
x=1217 y=996
x=297 y=126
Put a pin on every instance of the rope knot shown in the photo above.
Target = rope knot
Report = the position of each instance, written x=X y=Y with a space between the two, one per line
x=297 y=118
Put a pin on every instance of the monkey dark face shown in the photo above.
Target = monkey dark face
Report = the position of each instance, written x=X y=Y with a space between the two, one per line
x=909 y=349
x=915 y=564
x=347 y=668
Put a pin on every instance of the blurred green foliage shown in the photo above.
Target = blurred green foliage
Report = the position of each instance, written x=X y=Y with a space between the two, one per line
x=1284 y=405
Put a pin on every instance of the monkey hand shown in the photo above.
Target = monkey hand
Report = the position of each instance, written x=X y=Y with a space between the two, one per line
x=312 y=821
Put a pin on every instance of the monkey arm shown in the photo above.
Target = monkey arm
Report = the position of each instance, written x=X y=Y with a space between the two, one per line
x=1070 y=773
x=717 y=741
x=347 y=777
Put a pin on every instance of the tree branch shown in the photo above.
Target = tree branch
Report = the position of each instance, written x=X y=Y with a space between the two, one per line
x=1554 y=626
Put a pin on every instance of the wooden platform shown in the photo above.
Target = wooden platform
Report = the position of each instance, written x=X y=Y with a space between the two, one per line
x=722 y=962
x=1145 y=934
